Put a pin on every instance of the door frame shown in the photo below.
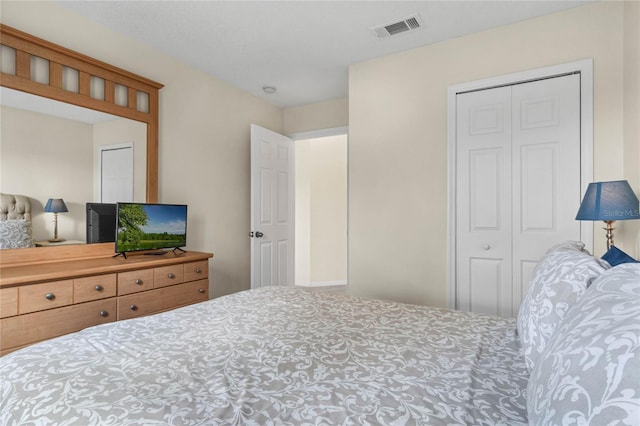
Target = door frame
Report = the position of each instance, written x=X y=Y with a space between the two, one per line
x=585 y=69
x=321 y=133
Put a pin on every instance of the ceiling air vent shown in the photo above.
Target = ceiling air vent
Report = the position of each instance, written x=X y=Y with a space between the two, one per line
x=409 y=23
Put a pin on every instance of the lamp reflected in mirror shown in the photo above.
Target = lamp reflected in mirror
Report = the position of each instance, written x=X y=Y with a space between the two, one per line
x=55 y=206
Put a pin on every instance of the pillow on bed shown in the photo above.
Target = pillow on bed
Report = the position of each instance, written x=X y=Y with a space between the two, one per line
x=590 y=371
x=15 y=233
x=614 y=256
x=560 y=278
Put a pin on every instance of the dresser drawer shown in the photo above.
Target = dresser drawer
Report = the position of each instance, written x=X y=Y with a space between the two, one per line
x=8 y=302
x=94 y=288
x=162 y=299
x=134 y=281
x=25 y=329
x=196 y=271
x=50 y=295
x=168 y=275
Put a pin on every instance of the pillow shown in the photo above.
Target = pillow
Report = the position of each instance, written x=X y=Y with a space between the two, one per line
x=560 y=278
x=15 y=233
x=614 y=256
x=589 y=374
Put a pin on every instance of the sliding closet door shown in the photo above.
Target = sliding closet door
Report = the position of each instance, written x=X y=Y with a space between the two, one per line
x=517 y=187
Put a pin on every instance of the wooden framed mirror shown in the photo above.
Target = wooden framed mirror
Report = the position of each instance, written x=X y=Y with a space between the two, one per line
x=80 y=80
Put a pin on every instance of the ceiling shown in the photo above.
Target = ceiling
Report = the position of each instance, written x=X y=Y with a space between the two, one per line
x=303 y=48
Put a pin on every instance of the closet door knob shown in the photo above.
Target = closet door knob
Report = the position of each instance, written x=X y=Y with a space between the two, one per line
x=138 y=281
x=133 y=307
x=99 y=288
x=50 y=296
x=104 y=314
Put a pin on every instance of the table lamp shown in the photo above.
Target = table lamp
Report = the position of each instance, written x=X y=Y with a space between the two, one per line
x=609 y=201
x=55 y=206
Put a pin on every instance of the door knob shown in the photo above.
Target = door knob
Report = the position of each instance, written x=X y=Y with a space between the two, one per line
x=486 y=247
x=259 y=234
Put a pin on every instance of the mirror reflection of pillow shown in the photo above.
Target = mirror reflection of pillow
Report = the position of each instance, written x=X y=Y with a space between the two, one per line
x=15 y=233
x=614 y=256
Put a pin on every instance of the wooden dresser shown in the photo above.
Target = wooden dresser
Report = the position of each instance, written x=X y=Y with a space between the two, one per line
x=48 y=292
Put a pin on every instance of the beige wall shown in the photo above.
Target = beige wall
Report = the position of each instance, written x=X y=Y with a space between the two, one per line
x=117 y=132
x=46 y=157
x=630 y=229
x=303 y=159
x=204 y=134
x=316 y=116
x=398 y=155
x=321 y=211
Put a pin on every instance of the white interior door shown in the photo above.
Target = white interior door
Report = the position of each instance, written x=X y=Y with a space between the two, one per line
x=272 y=208
x=484 y=200
x=517 y=187
x=546 y=159
x=116 y=173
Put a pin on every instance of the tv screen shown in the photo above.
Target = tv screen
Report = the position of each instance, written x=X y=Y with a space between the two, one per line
x=101 y=223
x=144 y=226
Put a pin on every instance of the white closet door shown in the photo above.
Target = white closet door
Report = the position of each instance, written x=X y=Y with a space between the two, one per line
x=484 y=200
x=546 y=185
x=517 y=187
x=116 y=173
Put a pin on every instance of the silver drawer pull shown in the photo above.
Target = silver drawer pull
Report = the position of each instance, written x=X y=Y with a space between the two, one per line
x=133 y=307
x=170 y=275
x=50 y=296
x=99 y=288
x=138 y=281
x=198 y=270
x=201 y=290
x=104 y=314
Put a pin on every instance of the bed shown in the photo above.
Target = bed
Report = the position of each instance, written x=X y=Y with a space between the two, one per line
x=291 y=356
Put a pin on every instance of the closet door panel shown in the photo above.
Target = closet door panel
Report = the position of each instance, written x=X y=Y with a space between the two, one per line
x=546 y=166
x=483 y=198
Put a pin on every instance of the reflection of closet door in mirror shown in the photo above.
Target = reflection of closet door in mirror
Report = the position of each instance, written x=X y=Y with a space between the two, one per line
x=116 y=173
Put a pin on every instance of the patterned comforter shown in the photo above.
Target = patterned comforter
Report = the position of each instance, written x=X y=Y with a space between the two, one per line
x=275 y=356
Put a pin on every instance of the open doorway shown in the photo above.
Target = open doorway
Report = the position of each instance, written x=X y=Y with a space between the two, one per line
x=321 y=211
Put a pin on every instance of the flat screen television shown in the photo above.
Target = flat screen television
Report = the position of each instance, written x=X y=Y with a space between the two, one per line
x=146 y=226
x=101 y=223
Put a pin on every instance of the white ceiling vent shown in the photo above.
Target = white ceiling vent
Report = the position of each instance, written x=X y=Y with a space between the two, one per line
x=409 y=23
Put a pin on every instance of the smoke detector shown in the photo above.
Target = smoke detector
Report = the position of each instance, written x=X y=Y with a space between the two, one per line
x=409 y=23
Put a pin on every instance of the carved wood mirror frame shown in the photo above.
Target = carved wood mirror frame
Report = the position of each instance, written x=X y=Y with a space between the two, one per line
x=89 y=71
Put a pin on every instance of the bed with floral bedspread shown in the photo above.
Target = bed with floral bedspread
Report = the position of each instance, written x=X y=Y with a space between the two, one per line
x=286 y=356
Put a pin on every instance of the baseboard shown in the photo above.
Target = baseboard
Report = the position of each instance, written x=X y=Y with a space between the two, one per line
x=320 y=283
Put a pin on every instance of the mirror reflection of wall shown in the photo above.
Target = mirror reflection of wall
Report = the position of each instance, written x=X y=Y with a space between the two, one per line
x=43 y=156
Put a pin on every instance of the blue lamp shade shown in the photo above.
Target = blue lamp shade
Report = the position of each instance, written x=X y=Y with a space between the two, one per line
x=55 y=205
x=609 y=201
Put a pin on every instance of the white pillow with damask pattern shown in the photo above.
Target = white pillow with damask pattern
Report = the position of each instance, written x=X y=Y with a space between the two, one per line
x=589 y=374
x=15 y=233
x=560 y=278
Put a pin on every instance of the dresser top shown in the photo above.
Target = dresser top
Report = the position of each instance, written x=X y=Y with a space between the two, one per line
x=19 y=274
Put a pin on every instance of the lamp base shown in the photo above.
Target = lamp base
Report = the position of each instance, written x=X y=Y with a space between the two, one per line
x=56 y=240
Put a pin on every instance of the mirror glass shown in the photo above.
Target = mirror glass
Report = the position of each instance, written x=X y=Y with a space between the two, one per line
x=50 y=149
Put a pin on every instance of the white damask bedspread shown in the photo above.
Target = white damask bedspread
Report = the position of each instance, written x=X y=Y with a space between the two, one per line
x=275 y=356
